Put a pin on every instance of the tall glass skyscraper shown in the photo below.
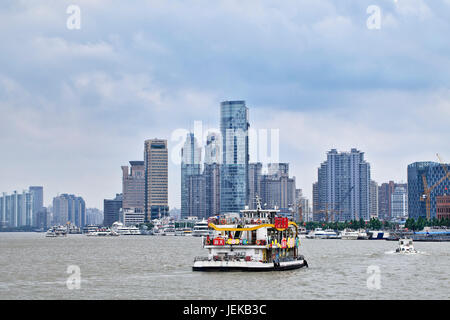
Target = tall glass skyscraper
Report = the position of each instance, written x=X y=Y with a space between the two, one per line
x=234 y=175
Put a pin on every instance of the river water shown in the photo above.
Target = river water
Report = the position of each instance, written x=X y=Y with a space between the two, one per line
x=149 y=267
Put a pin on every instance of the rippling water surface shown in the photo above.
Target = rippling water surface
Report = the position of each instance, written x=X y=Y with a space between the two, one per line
x=147 y=267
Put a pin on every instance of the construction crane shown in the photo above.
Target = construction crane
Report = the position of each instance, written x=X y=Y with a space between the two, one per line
x=426 y=196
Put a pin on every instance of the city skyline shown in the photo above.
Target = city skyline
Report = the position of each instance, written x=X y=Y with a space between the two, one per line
x=83 y=104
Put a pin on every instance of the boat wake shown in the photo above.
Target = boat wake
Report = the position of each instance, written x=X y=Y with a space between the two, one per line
x=407 y=253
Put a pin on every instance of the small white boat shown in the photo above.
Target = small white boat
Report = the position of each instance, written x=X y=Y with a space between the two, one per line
x=405 y=245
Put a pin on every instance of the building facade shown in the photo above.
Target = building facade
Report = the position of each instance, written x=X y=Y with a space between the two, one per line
x=235 y=155
x=156 y=179
x=373 y=199
x=433 y=173
x=443 y=206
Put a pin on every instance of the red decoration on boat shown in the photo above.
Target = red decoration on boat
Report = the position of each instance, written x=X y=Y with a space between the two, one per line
x=219 y=242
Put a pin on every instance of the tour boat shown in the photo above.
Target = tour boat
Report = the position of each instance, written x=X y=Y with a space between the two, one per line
x=201 y=229
x=405 y=245
x=122 y=230
x=256 y=240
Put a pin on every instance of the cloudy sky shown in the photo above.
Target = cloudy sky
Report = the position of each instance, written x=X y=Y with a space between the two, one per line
x=76 y=104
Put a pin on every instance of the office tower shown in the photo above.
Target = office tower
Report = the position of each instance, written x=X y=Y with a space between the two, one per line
x=234 y=175
x=373 y=199
x=133 y=187
x=112 y=209
x=254 y=183
x=197 y=196
x=156 y=179
x=443 y=206
x=344 y=186
x=68 y=208
x=277 y=189
x=434 y=174
x=190 y=166
x=399 y=202
x=39 y=214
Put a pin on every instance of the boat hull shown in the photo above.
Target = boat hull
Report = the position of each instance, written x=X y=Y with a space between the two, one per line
x=247 y=266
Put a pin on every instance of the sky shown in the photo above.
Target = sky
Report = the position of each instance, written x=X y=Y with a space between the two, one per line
x=77 y=104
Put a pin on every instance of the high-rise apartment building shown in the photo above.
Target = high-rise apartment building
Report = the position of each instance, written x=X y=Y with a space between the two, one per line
x=344 y=186
x=16 y=209
x=385 y=192
x=156 y=179
x=68 y=208
x=235 y=155
x=133 y=187
x=373 y=199
x=432 y=172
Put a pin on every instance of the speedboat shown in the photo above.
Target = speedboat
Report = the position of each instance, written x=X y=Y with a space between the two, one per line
x=405 y=245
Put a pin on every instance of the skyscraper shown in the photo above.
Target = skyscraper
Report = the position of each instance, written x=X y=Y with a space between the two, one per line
x=156 y=179
x=133 y=187
x=432 y=172
x=190 y=166
x=344 y=185
x=234 y=175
